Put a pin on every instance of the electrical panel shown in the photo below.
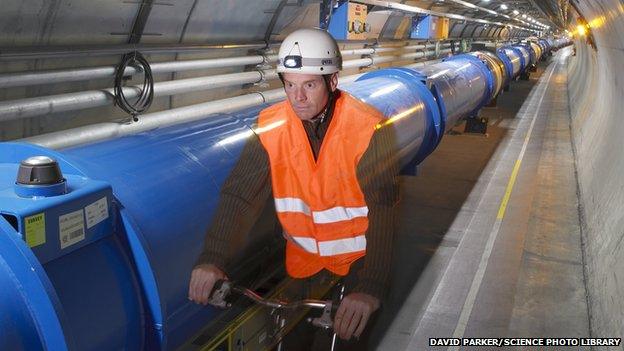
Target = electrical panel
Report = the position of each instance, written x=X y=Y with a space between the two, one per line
x=348 y=22
x=429 y=27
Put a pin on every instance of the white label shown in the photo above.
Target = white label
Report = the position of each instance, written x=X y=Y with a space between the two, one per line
x=71 y=228
x=96 y=212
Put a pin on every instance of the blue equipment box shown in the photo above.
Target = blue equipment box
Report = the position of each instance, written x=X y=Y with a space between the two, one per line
x=429 y=27
x=348 y=22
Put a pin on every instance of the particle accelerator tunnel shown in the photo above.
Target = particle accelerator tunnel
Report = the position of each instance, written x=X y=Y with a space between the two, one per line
x=504 y=119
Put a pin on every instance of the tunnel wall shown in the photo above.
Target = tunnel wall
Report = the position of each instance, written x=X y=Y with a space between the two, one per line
x=596 y=94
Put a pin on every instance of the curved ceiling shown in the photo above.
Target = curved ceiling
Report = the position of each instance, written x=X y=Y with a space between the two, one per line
x=80 y=22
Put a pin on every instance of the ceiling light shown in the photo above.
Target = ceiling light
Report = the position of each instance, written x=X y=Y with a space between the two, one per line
x=504 y=7
x=516 y=12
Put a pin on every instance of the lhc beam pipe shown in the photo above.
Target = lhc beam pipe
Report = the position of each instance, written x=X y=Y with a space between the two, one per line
x=461 y=85
x=496 y=68
x=526 y=56
x=546 y=45
x=511 y=60
x=538 y=50
x=409 y=107
x=110 y=260
x=533 y=55
x=516 y=57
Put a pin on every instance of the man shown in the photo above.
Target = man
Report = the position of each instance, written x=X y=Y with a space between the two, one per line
x=332 y=172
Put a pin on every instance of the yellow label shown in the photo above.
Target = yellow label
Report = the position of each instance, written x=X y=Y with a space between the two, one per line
x=357 y=22
x=35 y=230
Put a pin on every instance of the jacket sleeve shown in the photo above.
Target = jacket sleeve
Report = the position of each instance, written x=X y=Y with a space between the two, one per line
x=378 y=172
x=243 y=196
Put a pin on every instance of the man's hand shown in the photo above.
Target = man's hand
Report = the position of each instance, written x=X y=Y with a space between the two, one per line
x=203 y=279
x=353 y=314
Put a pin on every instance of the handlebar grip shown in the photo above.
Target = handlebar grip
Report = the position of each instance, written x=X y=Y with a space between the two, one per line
x=220 y=291
x=217 y=286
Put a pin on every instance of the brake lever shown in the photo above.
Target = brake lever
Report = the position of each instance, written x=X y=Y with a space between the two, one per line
x=325 y=321
x=221 y=290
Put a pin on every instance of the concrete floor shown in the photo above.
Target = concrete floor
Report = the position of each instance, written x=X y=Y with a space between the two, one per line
x=466 y=265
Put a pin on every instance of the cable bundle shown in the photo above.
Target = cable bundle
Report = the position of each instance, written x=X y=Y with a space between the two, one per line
x=135 y=59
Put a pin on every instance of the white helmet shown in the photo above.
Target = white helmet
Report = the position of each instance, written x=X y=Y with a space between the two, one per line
x=311 y=51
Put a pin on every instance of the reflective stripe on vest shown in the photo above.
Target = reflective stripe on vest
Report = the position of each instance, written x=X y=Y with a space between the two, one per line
x=331 y=247
x=331 y=215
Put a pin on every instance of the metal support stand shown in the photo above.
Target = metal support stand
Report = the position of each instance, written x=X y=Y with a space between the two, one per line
x=476 y=125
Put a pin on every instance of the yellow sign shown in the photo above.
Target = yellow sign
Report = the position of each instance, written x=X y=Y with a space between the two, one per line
x=35 y=229
x=357 y=28
x=441 y=29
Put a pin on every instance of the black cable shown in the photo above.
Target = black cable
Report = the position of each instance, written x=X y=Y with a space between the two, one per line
x=146 y=96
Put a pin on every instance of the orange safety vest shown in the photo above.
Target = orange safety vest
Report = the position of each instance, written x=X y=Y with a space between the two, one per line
x=319 y=203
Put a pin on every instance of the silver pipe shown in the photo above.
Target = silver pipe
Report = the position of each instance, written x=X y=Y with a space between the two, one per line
x=384 y=49
x=11 y=80
x=107 y=130
x=365 y=62
x=71 y=75
x=369 y=51
x=366 y=51
x=415 y=47
x=29 y=107
x=149 y=121
x=370 y=61
x=44 y=52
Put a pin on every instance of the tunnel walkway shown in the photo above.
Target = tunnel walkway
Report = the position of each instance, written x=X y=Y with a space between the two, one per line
x=489 y=243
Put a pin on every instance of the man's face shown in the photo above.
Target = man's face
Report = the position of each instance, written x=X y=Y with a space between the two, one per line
x=307 y=93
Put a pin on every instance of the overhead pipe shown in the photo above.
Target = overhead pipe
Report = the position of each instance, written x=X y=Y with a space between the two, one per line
x=106 y=130
x=11 y=80
x=55 y=52
x=426 y=46
x=30 y=107
x=375 y=60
